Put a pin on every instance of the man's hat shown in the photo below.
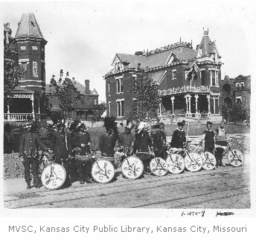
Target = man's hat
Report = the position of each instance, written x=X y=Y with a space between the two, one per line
x=129 y=125
x=81 y=125
x=209 y=122
x=181 y=123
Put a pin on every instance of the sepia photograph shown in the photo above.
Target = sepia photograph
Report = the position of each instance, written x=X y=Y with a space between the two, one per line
x=127 y=104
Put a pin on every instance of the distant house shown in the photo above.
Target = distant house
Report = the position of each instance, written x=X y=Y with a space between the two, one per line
x=85 y=108
x=236 y=90
x=169 y=67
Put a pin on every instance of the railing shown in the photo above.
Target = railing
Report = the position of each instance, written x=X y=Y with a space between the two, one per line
x=21 y=117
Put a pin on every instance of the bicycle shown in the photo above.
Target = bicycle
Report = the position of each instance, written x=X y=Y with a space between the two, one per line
x=192 y=160
x=235 y=156
x=209 y=160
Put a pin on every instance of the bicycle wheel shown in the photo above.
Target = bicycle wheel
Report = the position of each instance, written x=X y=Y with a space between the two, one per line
x=102 y=170
x=158 y=166
x=175 y=163
x=235 y=157
x=209 y=160
x=132 y=167
x=193 y=162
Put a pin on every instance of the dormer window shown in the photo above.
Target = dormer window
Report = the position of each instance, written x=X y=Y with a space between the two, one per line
x=23 y=48
x=119 y=66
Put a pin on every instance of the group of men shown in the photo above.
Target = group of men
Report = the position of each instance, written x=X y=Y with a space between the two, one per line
x=73 y=142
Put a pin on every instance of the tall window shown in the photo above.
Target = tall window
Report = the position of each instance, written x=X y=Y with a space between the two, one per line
x=35 y=70
x=119 y=85
x=174 y=74
x=109 y=107
x=95 y=101
x=108 y=87
x=214 y=78
x=203 y=78
x=120 y=108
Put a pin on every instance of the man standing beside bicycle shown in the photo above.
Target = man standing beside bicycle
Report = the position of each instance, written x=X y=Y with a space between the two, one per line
x=220 y=140
x=62 y=149
x=179 y=136
x=124 y=144
x=209 y=138
x=143 y=146
x=81 y=143
x=28 y=149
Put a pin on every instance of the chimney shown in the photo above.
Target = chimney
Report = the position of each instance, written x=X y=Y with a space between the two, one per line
x=87 y=86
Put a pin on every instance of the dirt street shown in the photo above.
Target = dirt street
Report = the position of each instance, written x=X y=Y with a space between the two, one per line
x=226 y=187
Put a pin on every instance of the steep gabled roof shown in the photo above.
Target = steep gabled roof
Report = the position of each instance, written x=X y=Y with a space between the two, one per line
x=28 y=27
x=207 y=47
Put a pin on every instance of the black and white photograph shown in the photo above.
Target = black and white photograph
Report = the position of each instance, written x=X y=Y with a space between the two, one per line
x=128 y=105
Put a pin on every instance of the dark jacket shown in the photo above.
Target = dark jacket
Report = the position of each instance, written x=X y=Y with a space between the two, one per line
x=178 y=138
x=209 y=140
x=29 y=144
x=142 y=142
x=107 y=144
x=126 y=140
x=159 y=141
x=81 y=138
x=61 y=145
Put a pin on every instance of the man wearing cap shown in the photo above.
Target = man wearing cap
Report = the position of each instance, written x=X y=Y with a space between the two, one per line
x=209 y=138
x=81 y=143
x=179 y=136
x=28 y=150
x=125 y=143
x=159 y=141
x=107 y=141
x=220 y=140
x=143 y=144
x=62 y=148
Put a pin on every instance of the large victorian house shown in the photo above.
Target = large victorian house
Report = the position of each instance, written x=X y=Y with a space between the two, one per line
x=29 y=44
x=188 y=79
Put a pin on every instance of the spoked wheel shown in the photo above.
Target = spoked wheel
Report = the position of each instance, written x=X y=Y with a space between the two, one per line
x=158 y=166
x=53 y=176
x=132 y=167
x=209 y=160
x=103 y=171
x=193 y=162
x=175 y=163
x=235 y=157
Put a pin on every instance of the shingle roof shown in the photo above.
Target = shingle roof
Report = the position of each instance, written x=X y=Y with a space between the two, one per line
x=206 y=47
x=28 y=27
x=158 y=59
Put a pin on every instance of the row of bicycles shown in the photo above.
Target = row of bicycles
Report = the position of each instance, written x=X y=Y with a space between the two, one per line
x=189 y=158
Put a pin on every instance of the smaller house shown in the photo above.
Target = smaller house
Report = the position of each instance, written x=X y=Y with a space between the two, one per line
x=85 y=108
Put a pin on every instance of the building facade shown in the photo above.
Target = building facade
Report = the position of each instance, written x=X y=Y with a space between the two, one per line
x=236 y=90
x=188 y=79
x=30 y=47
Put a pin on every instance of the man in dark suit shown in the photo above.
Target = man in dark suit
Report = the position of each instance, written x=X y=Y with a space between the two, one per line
x=28 y=149
x=179 y=136
x=62 y=149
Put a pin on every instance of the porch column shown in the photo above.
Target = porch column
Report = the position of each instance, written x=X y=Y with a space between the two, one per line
x=198 y=114
x=160 y=110
x=33 y=106
x=188 y=105
x=172 y=99
x=8 y=112
x=186 y=97
x=209 y=104
x=214 y=110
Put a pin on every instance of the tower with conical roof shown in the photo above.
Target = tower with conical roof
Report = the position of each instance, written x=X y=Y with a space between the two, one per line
x=31 y=53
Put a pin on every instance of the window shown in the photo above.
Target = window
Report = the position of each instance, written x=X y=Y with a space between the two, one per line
x=95 y=101
x=120 y=107
x=23 y=48
x=214 y=78
x=174 y=74
x=35 y=70
x=23 y=66
x=108 y=87
x=119 y=66
x=35 y=48
x=109 y=107
x=239 y=99
x=203 y=78
x=119 y=85
x=186 y=75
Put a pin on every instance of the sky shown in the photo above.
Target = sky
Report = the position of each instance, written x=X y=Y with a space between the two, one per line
x=83 y=37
